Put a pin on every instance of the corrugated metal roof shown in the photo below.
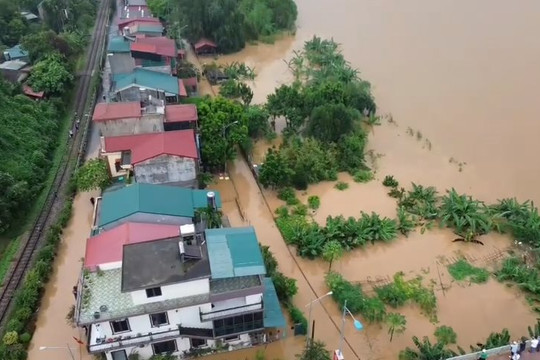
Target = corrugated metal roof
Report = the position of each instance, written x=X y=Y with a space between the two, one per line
x=181 y=113
x=151 y=199
x=117 y=110
x=273 y=316
x=16 y=52
x=234 y=252
x=118 y=44
x=147 y=146
x=149 y=79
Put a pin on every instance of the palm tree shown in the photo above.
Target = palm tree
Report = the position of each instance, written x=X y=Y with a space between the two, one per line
x=211 y=216
x=396 y=324
x=425 y=350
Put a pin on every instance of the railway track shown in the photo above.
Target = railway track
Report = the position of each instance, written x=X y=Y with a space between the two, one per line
x=56 y=195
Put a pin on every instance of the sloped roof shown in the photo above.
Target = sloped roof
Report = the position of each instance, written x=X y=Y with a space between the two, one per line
x=117 y=110
x=13 y=65
x=234 y=252
x=107 y=246
x=145 y=27
x=150 y=79
x=118 y=44
x=159 y=45
x=27 y=90
x=181 y=113
x=16 y=52
x=126 y=22
x=147 y=146
x=273 y=316
x=151 y=199
x=121 y=63
x=204 y=42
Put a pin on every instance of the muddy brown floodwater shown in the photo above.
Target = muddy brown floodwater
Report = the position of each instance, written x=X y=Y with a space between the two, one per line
x=459 y=79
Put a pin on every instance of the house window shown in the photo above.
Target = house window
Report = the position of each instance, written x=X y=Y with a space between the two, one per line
x=153 y=292
x=197 y=343
x=120 y=326
x=159 y=319
x=238 y=324
x=117 y=166
x=119 y=355
x=164 y=347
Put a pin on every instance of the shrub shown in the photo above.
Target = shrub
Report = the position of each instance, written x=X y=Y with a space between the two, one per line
x=389 y=181
x=14 y=325
x=421 y=201
x=300 y=210
x=462 y=270
x=10 y=338
x=314 y=202
x=23 y=314
x=406 y=222
x=363 y=176
x=446 y=335
x=25 y=338
x=286 y=287
x=340 y=185
x=298 y=317
x=288 y=195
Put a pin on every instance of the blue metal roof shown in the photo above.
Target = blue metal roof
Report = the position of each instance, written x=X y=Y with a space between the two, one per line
x=118 y=44
x=16 y=52
x=234 y=252
x=148 y=79
x=273 y=316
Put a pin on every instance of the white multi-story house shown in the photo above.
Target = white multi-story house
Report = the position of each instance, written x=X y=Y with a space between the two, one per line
x=161 y=289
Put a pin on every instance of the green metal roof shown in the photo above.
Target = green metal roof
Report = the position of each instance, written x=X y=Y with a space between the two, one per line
x=150 y=28
x=273 y=316
x=16 y=52
x=151 y=199
x=234 y=252
x=148 y=79
x=118 y=44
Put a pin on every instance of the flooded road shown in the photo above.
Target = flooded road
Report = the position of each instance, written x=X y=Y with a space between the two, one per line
x=52 y=330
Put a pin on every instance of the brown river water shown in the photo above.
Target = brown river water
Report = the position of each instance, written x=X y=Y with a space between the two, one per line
x=462 y=76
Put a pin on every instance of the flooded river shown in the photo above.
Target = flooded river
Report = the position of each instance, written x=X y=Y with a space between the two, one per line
x=459 y=79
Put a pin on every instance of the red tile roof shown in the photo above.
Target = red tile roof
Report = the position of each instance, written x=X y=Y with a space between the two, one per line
x=27 y=90
x=160 y=45
x=147 y=146
x=203 y=43
x=107 y=247
x=181 y=113
x=117 y=110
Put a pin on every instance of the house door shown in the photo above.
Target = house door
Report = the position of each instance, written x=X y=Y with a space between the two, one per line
x=119 y=355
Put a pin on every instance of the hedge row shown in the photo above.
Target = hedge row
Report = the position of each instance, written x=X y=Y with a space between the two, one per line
x=20 y=324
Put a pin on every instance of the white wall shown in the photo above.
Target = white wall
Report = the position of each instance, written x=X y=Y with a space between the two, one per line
x=254 y=299
x=190 y=288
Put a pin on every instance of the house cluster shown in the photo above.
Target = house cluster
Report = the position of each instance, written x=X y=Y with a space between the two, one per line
x=157 y=276
x=15 y=64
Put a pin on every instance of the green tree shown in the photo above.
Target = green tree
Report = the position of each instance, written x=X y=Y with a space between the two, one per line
x=211 y=216
x=396 y=324
x=257 y=119
x=233 y=89
x=223 y=125
x=445 y=335
x=314 y=350
x=332 y=251
x=287 y=101
x=275 y=171
x=50 y=75
x=94 y=174
x=329 y=122
x=159 y=8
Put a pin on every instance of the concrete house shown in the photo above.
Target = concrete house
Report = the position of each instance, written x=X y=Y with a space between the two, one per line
x=127 y=118
x=156 y=292
x=145 y=85
x=180 y=117
x=150 y=204
x=158 y=158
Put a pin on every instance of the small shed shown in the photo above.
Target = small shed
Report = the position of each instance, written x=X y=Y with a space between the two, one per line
x=16 y=53
x=205 y=47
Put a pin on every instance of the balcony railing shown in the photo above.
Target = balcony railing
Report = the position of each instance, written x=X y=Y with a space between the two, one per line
x=196 y=332
x=220 y=314
x=118 y=342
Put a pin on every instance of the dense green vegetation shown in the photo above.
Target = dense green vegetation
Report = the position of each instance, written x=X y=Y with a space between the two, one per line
x=462 y=270
x=230 y=23
x=30 y=129
x=445 y=334
x=323 y=110
x=94 y=174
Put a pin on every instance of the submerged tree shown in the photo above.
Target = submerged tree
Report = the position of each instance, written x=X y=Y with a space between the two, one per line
x=425 y=350
x=332 y=251
x=314 y=350
x=396 y=324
